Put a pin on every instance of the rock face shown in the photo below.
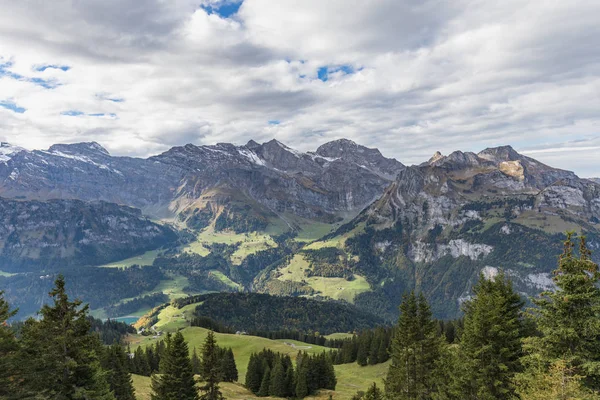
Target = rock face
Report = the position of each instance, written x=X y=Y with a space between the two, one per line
x=341 y=177
x=38 y=235
x=449 y=219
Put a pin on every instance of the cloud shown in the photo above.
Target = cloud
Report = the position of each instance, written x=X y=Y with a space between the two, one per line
x=409 y=77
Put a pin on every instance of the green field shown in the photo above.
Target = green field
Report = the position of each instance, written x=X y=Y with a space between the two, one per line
x=335 y=288
x=249 y=243
x=143 y=260
x=351 y=378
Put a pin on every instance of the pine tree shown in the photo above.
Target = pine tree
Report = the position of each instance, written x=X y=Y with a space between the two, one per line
x=116 y=361
x=382 y=352
x=9 y=375
x=278 y=386
x=266 y=383
x=61 y=356
x=374 y=350
x=362 y=354
x=373 y=393
x=141 y=362
x=415 y=350
x=210 y=369
x=176 y=380
x=289 y=380
x=232 y=372
x=568 y=350
x=329 y=381
x=254 y=374
x=491 y=340
x=301 y=382
x=195 y=362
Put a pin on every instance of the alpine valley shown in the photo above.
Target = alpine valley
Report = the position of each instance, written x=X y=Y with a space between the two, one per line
x=341 y=223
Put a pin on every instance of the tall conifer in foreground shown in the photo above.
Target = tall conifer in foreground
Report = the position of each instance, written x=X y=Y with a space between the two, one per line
x=176 y=379
x=415 y=350
x=210 y=369
x=491 y=340
x=563 y=362
x=116 y=361
x=59 y=353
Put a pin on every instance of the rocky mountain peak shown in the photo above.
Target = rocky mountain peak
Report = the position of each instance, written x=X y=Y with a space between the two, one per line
x=500 y=154
x=7 y=151
x=84 y=148
x=362 y=156
x=436 y=157
x=252 y=144
x=343 y=147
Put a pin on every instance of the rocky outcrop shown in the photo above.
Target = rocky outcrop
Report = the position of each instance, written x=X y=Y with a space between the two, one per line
x=58 y=233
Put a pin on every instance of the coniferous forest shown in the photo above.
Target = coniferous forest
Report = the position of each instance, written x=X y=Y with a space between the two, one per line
x=500 y=349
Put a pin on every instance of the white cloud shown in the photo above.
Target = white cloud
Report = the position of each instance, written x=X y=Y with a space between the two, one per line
x=428 y=75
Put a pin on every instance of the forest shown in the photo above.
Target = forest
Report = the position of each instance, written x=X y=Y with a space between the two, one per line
x=254 y=312
x=499 y=349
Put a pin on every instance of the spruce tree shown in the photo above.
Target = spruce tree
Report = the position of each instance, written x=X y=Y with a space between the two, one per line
x=210 y=369
x=278 y=386
x=231 y=367
x=567 y=351
x=60 y=355
x=362 y=354
x=373 y=393
x=254 y=374
x=116 y=361
x=176 y=380
x=491 y=340
x=141 y=362
x=289 y=380
x=415 y=350
x=9 y=376
x=301 y=382
x=266 y=383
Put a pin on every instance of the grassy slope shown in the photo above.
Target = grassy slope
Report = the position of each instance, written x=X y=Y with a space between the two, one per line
x=145 y=259
x=351 y=378
x=336 y=288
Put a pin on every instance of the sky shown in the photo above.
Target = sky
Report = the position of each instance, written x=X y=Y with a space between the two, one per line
x=409 y=77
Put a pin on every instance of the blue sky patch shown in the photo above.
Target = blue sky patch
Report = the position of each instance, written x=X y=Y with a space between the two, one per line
x=274 y=122
x=45 y=83
x=323 y=72
x=72 y=113
x=111 y=115
x=42 y=68
x=225 y=10
x=9 y=105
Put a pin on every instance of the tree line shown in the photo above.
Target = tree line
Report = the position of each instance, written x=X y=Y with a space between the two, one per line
x=148 y=360
x=60 y=356
x=550 y=351
x=273 y=374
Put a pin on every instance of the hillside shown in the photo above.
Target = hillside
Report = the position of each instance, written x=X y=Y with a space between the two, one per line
x=442 y=223
x=261 y=312
x=351 y=377
x=266 y=218
x=42 y=236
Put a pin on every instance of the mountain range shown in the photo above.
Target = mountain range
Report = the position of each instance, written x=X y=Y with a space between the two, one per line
x=342 y=222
